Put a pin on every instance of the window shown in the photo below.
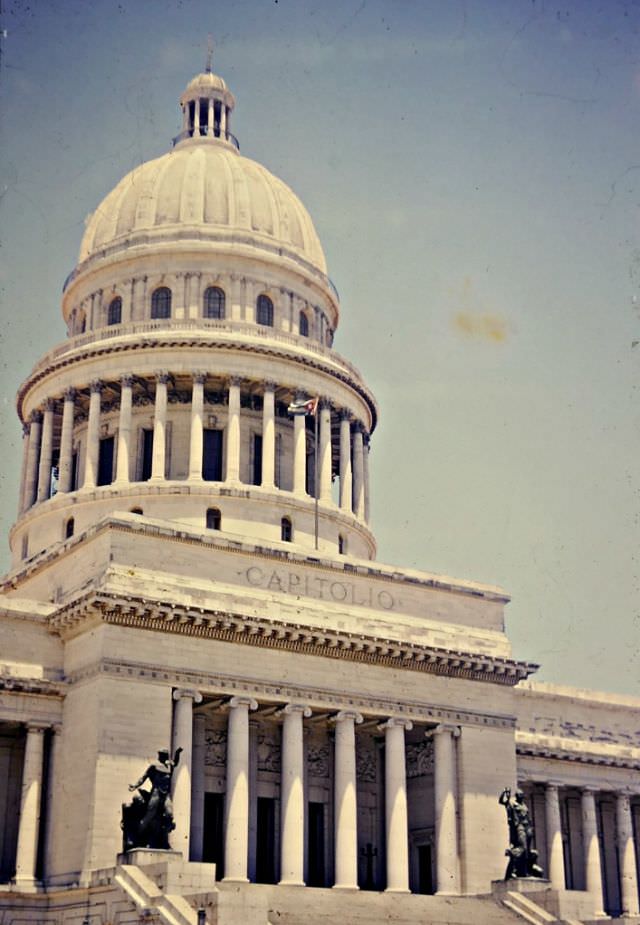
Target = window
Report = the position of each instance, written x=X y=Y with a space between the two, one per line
x=69 y=527
x=161 y=303
x=342 y=546
x=265 y=311
x=304 y=325
x=136 y=510
x=214 y=519
x=114 y=312
x=213 y=306
x=286 y=530
x=24 y=550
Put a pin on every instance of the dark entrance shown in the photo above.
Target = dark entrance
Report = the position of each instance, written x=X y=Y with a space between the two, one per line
x=266 y=841
x=315 y=874
x=213 y=838
x=425 y=869
x=105 y=461
x=257 y=459
x=147 y=455
x=212 y=456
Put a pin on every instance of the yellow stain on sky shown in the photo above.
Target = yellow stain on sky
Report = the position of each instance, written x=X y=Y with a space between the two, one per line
x=474 y=322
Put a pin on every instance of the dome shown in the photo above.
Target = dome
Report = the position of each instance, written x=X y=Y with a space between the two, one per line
x=203 y=83
x=205 y=188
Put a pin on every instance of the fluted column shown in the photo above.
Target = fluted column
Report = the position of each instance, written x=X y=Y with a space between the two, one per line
x=197 y=411
x=183 y=738
x=358 y=471
x=27 y=850
x=325 y=452
x=233 y=431
x=299 y=450
x=445 y=798
x=268 y=435
x=627 y=856
x=346 y=479
x=345 y=809
x=395 y=789
x=197 y=787
x=555 y=853
x=292 y=796
x=46 y=451
x=33 y=458
x=93 y=437
x=236 y=836
x=591 y=846
x=158 y=462
x=66 y=442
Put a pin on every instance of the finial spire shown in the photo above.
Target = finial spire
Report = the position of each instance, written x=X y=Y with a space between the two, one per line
x=209 y=53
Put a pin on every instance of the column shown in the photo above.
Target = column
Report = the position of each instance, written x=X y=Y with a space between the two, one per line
x=358 y=471
x=236 y=298
x=233 y=431
x=46 y=451
x=365 y=461
x=236 y=836
x=196 y=443
x=66 y=442
x=124 y=431
x=93 y=437
x=395 y=789
x=627 y=856
x=195 y=299
x=555 y=853
x=197 y=787
x=591 y=846
x=196 y=118
x=447 y=877
x=345 y=808
x=223 y=120
x=183 y=738
x=33 y=458
x=346 y=481
x=158 y=461
x=23 y=468
x=325 y=452
x=268 y=436
x=300 y=450
x=210 y=119
x=292 y=796
x=27 y=851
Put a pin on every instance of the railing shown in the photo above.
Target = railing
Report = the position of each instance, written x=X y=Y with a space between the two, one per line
x=203 y=132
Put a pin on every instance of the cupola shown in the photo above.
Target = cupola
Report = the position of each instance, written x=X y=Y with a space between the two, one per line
x=206 y=105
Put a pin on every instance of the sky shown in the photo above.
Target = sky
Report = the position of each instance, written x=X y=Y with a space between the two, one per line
x=472 y=169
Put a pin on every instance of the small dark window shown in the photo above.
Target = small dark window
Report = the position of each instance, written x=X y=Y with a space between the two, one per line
x=161 y=303
x=342 y=546
x=24 y=550
x=214 y=519
x=304 y=325
x=213 y=303
x=69 y=527
x=114 y=312
x=265 y=311
x=286 y=530
x=136 y=510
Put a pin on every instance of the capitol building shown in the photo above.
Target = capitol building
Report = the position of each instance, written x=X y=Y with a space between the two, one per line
x=193 y=567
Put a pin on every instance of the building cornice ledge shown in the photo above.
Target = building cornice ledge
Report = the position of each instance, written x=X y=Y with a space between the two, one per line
x=534 y=745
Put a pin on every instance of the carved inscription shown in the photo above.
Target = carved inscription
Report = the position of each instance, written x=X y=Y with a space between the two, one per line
x=324 y=589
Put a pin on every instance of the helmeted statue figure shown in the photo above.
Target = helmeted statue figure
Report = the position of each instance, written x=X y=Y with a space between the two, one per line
x=148 y=819
x=523 y=857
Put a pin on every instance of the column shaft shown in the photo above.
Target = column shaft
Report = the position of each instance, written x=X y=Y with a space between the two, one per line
x=183 y=738
x=395 y=788
x=345 y=809
x=93 y=438
x=627 y=856
x=66 y=442
x=124 y=431
x=358 y=472
x=236 y=836
x=268 y=436
x=591 y=846
x=27 y=851
x=197 y=787
x=46 y=452
x=555 y=854
x=33 y=458
x=233 y=432
x=299 y=450
x=346 y=479
x=447 y=877
x=292 y=797
x=365 y=474
x=325 y=453
x=223 y=121
x=197 y=436
x=210 y=119
x=23 y=468
x=158 y=462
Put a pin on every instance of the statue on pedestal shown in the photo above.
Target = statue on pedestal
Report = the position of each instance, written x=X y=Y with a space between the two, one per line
x=523 y=857
x=148 y=819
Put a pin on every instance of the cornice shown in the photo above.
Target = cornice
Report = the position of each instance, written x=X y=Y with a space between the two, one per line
x=43 y=687
x=244 y=629
x=530 y=745
x=326 y=698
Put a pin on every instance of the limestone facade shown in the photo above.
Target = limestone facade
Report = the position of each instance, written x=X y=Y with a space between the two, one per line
x=193 y=566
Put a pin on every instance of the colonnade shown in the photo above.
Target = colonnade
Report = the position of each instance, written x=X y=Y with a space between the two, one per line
x=39 y=447
x=293 y=798
x=212 y=128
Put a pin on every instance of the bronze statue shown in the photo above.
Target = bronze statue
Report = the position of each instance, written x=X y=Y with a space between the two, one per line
x=148 y=819
x=523 y=857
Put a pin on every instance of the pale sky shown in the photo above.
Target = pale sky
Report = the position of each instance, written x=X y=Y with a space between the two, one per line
x=473 y=172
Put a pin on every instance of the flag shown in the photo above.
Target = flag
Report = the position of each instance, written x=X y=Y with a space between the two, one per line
x=309 y=406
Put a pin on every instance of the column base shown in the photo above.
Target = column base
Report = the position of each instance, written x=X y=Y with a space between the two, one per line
x=397 y=889
x=291 y=883
x=235 y=880
x=346 y=887
x=26 y=885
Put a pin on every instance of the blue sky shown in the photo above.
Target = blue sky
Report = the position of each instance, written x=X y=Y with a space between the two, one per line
x=474 y=175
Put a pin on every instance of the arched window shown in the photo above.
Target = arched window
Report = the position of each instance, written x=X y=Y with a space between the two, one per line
x=342 y=546
x=213 y=306
x=265 y=311
x=214 y=519
x=304 y=325
x=161 y=303
x=69 y=527
x=136 y=510
x=286 y=530
x=114 y=312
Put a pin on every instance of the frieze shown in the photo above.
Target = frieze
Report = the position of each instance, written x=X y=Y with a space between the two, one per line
x=215 y=748
x=419 y=757
x=365 y=761
x=318 y=757
x=268 y=752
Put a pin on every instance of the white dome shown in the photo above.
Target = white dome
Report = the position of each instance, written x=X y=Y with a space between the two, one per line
x=206 y=188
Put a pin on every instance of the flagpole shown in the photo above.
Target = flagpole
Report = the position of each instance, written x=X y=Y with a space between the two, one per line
x=316 y=473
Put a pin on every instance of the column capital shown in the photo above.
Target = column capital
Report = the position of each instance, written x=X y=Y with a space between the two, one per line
x=292 y=708
x=345 y=414
x=325 y=404
x=126 y=381
x=36 y=417
x=26 y=428
x=299 y=395
x=590 y=790
x=396 y=721
x=270 y=385
x=96 y=385
x=242 y=702
x=38 y=726
x=358 y=427
x=441 y=728
x=235 y=381
x=49 y=404
x=199 y=377
x=70 y=394
x=184 y=693
x=162 y=376
x=343 y=715
x=552 y=786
